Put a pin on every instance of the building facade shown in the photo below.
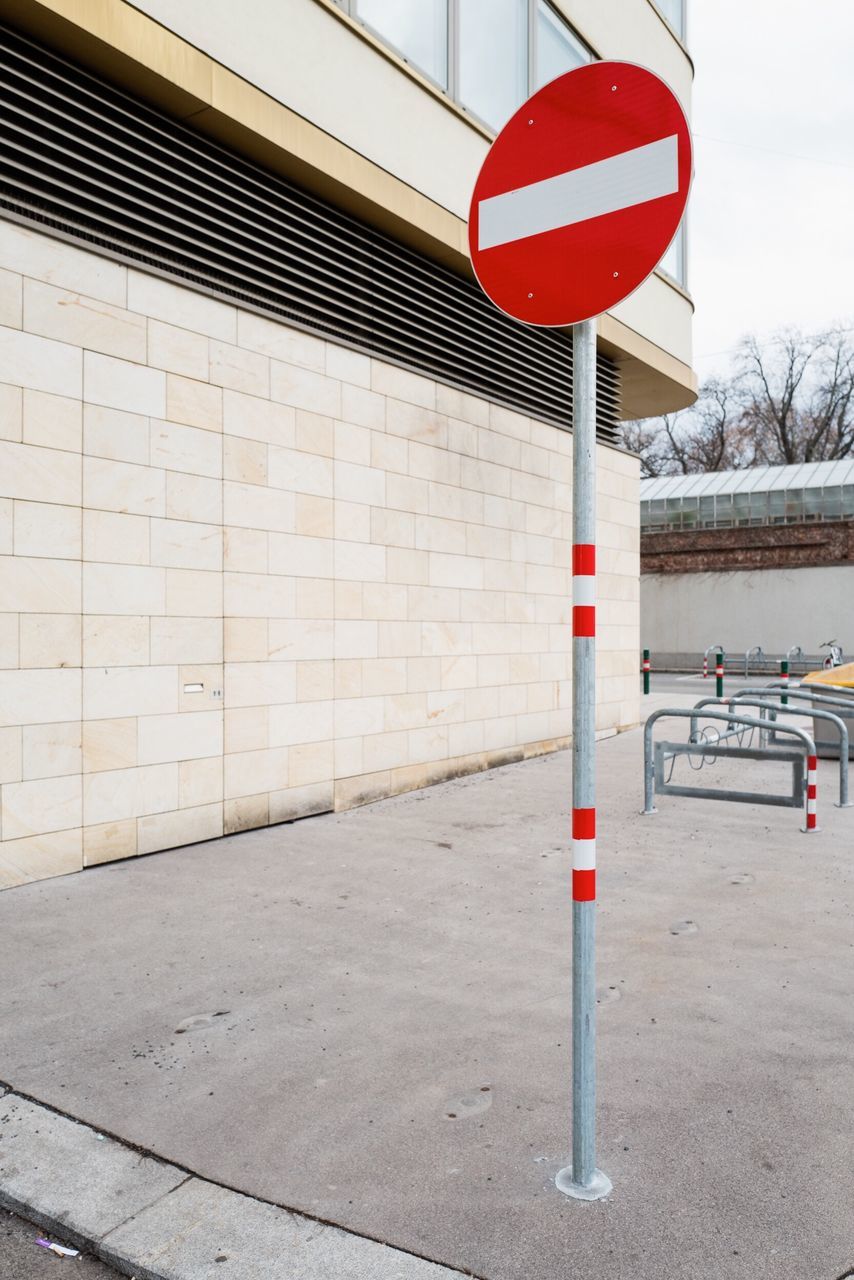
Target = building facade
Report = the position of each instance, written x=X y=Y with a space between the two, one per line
x=285 y=505
x=760 y=557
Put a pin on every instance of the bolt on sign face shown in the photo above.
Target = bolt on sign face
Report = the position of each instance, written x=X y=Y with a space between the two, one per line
x=580 y=194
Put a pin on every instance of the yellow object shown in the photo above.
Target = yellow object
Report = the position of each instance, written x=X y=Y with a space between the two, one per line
x=842 y=677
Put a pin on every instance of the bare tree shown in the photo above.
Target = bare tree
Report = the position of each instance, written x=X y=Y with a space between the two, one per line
x=710 y=436
x=647 y=439
x=789 y=401
x=799 y=395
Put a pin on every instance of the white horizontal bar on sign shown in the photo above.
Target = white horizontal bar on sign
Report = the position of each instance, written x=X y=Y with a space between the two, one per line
x=630 y=178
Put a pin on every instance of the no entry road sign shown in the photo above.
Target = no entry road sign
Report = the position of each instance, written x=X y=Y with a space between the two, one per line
x=580 y=194
x=576 y=203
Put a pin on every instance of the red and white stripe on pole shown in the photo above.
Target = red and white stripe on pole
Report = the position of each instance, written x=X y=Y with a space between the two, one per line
x=812 y=793
x=584 y=627
x=705 y=666
x=719 y=669
x=646 y=664
x=584 y=855
x=584 y=589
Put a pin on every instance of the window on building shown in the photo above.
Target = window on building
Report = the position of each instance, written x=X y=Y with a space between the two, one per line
x=777 y=506
x=557 y=49
x=493 y=57
x=831 y=503
x=794 y=504
x=488 y=55
x=418 y=29
x=813 y=504
x=657 y=513
x=674 y=12
x=759 y=508
x=674 y=512
x=673 y=261
x=723 y=509
x=707 y=510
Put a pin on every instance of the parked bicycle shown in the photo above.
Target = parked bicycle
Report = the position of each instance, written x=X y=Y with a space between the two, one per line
x=834 y=658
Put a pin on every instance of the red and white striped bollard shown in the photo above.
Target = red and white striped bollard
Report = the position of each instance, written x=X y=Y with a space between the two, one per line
x=812 y=794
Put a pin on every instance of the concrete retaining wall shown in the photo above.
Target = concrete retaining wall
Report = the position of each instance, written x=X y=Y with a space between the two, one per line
x=776 y=608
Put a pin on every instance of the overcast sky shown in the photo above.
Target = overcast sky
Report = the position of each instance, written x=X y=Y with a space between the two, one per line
x=771 y=234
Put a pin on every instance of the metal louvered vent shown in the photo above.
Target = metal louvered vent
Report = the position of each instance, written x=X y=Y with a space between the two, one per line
x=81 y=157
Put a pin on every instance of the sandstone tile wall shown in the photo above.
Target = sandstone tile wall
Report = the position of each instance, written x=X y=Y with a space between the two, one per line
x=246 y=574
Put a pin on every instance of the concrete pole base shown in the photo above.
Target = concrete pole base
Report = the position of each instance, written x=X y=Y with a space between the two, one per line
x=597 y=1188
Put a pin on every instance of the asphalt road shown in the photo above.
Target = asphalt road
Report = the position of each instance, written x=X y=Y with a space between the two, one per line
x=22 y=1259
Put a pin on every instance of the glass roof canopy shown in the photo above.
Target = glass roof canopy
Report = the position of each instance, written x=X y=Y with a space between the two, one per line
x=807 y=491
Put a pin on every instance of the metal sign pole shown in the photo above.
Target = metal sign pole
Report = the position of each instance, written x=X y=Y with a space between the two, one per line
x=617 y=119
x=582 y=1179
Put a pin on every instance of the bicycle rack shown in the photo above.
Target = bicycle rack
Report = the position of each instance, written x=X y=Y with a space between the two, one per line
x=803 y=762
x=757 y=651
x=768 y=735
x=843 y=707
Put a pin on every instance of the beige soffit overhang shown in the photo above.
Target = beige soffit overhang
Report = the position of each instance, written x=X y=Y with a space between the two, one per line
x=136 y=53
x=653 y=380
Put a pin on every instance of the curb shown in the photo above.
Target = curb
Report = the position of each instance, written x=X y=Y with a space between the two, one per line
x=154 y=1221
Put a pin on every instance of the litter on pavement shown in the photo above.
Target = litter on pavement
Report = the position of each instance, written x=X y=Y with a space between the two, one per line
x=58 y=1248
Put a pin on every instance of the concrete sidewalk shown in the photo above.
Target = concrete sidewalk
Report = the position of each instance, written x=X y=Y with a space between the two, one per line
x=155 y=1221
x=364 y=1017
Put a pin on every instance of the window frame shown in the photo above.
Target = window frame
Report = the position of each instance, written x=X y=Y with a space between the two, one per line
x=681 y=32
x=451 y=91
x=452 y=42
x=681 y=280
x=534 y=38
x=350 y=7
x=453 y=15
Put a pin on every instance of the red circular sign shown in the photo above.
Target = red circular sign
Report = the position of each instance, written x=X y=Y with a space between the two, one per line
x=580 y=194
